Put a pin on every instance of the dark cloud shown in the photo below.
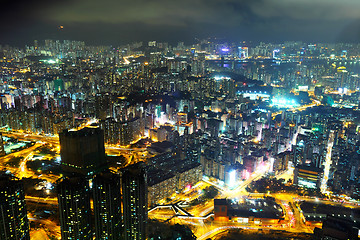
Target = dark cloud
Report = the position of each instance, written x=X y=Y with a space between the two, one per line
x=119 y=21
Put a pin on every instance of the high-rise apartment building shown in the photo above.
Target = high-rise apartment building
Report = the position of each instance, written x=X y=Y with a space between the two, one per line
x=82 y=151
x=2 y=149
x=107 y=206
x=74 y=208
x=134 y=189
x=14 y=224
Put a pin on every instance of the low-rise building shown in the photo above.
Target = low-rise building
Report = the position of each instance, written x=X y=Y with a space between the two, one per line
x=308 y=176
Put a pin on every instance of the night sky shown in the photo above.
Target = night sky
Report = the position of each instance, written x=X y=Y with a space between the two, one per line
x=121 y=21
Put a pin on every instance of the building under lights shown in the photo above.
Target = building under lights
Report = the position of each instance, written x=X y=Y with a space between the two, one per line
x=74 y=208
x=134 y=190
x=188 y=175
x=107 y=206
x=248 y=210
x=14 y=224
x=122 y=132
x=161 y=184
x=308 y=176
x=2 y=149
x=82 y=151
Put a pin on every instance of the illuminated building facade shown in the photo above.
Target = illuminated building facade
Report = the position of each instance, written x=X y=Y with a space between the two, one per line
x=134 y=189
x=107 y=206
x=122 y=133
x=82 y=151
x=163 y=133
x=172 y=171
x=74 y=208
x=35 y=121
x=189 y=175
x=307 y=176
x=281 y=161
x=248 y=210
x=103 y=105
x=160 y=185
x=14 y=224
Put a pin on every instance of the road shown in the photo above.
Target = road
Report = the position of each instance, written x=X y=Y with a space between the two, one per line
x=39 y=234
x=46 y=200
x=288 y=202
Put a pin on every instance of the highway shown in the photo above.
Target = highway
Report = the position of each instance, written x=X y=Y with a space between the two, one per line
x=46 y=200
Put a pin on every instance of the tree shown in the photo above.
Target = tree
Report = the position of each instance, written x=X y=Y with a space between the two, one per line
x=210 y=192
x=161 y=230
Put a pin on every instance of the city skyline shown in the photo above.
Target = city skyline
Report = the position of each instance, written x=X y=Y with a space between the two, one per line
x=186 y=119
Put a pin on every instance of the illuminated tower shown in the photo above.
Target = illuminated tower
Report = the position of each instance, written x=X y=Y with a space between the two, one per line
x=14 y=224
x=134 y=189
x=74 y=208
x=82 y=151
x=107 y=206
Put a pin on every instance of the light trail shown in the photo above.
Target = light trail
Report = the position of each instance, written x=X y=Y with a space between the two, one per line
x=328 y=162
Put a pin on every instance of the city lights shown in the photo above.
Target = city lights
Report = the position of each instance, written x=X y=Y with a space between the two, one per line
x=284 y=103
x=232 y=179
x=213 y=134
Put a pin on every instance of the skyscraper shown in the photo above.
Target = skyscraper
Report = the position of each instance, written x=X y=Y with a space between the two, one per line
x=134 y=189
x=2 y=149
x=82 y=151
x=107 y=206
x=74 y=208
x=14 y=224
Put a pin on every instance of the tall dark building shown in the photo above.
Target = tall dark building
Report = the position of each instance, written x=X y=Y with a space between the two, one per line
x=74 y=208
x=14 y=224
x=2 y=149
x=134 y=189
x=107 y=206
x=82 y=151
